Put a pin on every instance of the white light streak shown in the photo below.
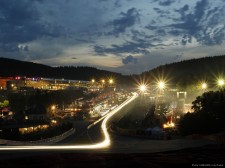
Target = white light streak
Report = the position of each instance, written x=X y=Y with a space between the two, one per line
x=104 y=144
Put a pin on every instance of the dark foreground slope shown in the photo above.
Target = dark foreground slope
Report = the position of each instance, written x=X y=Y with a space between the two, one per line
x=207 y=156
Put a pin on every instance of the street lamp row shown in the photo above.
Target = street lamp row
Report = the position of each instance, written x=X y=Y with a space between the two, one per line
x=111 y=81
x=161 y=85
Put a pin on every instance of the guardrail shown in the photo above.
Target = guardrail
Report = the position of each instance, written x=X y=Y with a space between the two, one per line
x=47 y=141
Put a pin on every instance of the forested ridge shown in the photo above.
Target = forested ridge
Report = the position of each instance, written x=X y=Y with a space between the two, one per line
x=184 y=73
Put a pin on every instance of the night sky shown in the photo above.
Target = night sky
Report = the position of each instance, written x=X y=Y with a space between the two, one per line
x=126 y=36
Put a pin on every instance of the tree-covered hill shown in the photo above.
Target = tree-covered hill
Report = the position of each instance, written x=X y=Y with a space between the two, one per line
x=182 y=73
x=189 y=71
x=12 y=67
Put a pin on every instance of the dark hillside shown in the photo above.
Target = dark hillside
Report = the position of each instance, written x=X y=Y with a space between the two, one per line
x=190 y=71
x=11 y=67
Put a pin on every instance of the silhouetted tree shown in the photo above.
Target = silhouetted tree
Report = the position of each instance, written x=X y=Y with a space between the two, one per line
x=208 y=116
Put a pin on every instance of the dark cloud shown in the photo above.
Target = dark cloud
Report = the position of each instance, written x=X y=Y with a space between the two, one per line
x=182 y=12
x=17 y=22
x=196 y=25
x=20 y=23
x=129 y=59
x=162 y=12
x=150 y=27
x=166 y=2
x=141 y=43
x=117 y=4
x=175 y=32
x=9 y=47
x=138 y=35
x=138 y=47
x=127 y=19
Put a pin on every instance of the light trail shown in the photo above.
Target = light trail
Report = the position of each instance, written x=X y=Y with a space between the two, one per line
x=104 y=144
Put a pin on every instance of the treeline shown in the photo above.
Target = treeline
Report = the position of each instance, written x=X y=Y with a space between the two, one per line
x=181 y=74
x=188 y=72
x=19 y=101
x=208 y=116
x=11 y=67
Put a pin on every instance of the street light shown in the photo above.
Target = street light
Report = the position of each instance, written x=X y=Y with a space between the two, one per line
x=161 y=85
x=220 y=82
x=204 y=86
x=110 y=81
x=93 y=81
x=53 y=107
x=103 y=81
x=142 y=88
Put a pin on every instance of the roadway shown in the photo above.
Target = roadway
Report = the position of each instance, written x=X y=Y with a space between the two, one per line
x=125 y=144
x=97 y=137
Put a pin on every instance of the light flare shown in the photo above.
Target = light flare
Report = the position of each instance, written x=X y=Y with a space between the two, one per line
x=220 y=82
x=161 y=85
x=142 y=88
x=204 y=85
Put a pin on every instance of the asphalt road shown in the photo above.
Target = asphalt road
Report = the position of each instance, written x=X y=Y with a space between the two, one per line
x=118 y=144
x=123 y=151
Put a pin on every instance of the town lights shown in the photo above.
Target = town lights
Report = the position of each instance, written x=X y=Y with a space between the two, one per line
x=103 y=144
x=103 y=81
x=53 y=107
x=93 y=81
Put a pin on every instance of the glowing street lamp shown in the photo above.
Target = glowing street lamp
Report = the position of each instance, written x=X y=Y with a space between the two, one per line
x=103 y=81
x=142 y=88
x=161 y=85
x=53 y=107
x=220 y=82
x=110 y=81
x=204 y=86
x=93 y=81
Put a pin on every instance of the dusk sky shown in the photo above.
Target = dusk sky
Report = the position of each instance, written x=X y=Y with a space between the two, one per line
x=126 y=36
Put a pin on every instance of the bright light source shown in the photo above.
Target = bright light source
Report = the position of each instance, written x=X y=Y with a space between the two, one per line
x=103 y=81
x=204 y=85
x=53 y=107
x=221 y=82
x=169 y=125
x=110 y=81
x=93 y=81
x=142 y=88
x=54 y=121
x=161 y=85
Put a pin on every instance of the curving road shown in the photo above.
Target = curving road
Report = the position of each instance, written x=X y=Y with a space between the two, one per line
x=102 y=144
x=99 y=140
